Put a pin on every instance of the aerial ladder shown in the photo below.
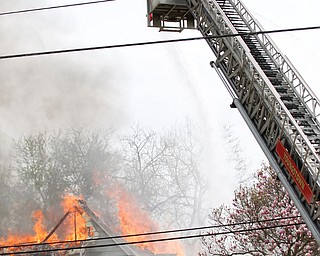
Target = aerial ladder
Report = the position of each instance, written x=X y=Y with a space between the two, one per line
x=278 y=106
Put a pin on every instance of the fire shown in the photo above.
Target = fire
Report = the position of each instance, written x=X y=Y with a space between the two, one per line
x=134 y=220
x=39 y=229
x=74 y=228
x=76 y=220
x=40 y=234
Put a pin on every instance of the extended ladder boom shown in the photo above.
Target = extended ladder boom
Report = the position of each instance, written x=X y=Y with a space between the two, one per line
x=280 y=109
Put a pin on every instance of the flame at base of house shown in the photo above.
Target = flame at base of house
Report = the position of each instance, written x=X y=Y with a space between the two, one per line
x=81 y=232
x=72 y=226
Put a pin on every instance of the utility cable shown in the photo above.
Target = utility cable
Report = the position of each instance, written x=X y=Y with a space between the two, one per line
x=53 y=7
x=21 y=55
x=154 y=233
x=155 y=240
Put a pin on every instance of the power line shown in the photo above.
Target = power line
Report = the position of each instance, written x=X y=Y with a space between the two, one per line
x=155 y=240
x=53 y=7
x=155 y=233
x=21 y=55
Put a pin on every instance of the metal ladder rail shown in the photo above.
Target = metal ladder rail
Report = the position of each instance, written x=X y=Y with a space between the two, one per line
x=309 y=124
x=306 y=123
x=290 y=73
x=293 y=132
x=236 y=62
x=287 y=95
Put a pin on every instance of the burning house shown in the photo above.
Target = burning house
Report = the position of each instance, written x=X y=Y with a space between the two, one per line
x=85 y=234
x=111 y=246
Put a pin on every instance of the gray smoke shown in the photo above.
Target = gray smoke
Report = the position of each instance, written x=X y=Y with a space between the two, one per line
x=51 y=92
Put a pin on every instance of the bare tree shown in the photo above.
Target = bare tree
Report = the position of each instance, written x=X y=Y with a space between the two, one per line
x=53 y=165
x=183 y=164
x=236 y=154
x=162 y=170
x=35 y=167
x=5 y=199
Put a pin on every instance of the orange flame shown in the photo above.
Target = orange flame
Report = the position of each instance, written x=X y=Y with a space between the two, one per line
x=39 y=229
x=134 y=220
x=74 y=226
x=76 y=220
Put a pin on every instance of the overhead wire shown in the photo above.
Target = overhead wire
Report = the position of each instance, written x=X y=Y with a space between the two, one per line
x=132 y=45
x=94 y=48
x=153 y=240
x=53 y=7
x=156 y=232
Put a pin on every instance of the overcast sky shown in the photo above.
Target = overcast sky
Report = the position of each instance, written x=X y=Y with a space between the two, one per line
x=156 y=86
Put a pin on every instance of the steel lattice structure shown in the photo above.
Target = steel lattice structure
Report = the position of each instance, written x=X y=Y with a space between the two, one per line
x=274 y=100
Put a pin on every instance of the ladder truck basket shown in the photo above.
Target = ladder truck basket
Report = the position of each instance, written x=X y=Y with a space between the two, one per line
x=170 y=15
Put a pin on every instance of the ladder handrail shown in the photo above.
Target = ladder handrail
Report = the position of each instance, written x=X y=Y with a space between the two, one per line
x=303 y=145
x=233 y=54
x=293 y=77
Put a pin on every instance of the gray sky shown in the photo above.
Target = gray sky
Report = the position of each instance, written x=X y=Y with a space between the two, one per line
x=157 y=85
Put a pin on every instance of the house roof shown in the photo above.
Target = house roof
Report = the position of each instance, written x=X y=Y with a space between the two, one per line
x=101 y=230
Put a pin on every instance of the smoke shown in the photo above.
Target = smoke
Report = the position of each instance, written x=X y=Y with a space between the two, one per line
x=51 y=92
